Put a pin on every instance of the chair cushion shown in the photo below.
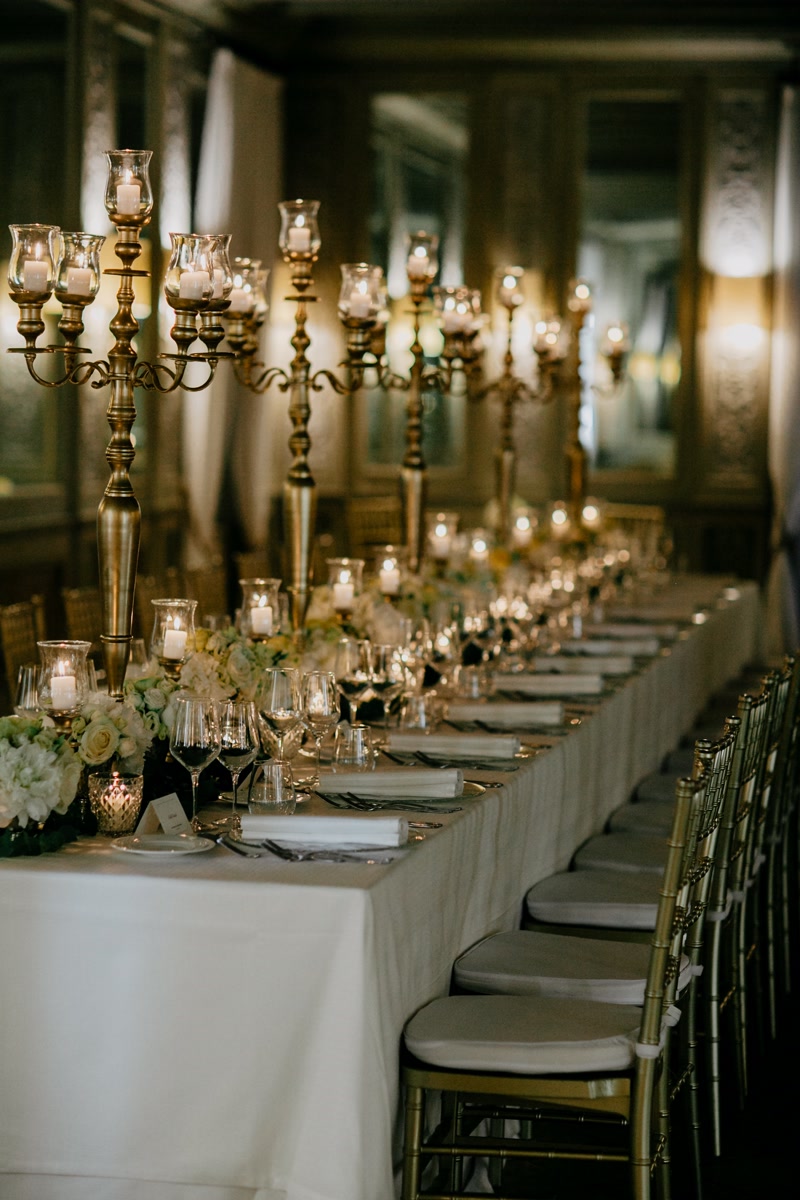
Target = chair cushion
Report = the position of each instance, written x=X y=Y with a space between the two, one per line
x=623 y=852
x=659 y=786
x=524 y=1035
x=600 y=899
x=529 y=963
x=646 y=816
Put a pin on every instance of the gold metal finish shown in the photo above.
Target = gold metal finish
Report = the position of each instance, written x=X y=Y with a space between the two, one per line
x=119 y=515
x=512 y=390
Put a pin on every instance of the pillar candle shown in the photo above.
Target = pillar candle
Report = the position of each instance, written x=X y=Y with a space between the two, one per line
x=299 y=238
x=63 y=691
x=343 y=595
x=174 y=643
x=128 y=198
x=261 y=619
x=79 y=281
x=34 y=275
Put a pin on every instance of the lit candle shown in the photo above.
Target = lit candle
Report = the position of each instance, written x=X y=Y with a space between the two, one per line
x=241 y=300
x=193 y=284
x=389 y=581
x=521 y=532
x=174 y=643
x=129 y=197
x=343 y=596
x=299 y=238
x=261 y=619
x=418 y=265
x=34 y=275
x=63 y=691
x=79 y=281
x=440 y=545
x=359 y=304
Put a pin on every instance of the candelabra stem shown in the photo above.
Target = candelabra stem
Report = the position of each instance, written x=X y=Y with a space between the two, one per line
x=299 y=490
x=576 y=459
x=413 y=473
x=506 y=454
x=119 y=516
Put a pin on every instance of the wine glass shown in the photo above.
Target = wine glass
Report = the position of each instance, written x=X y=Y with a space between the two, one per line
x=279 y=703
x=320 y=709
x=195 y=739
x=415 y=651
x=388 y=677
x=239 y=740
x=353 y=671
x=26 y=697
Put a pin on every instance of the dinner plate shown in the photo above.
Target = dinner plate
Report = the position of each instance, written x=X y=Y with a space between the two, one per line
x=162 y=844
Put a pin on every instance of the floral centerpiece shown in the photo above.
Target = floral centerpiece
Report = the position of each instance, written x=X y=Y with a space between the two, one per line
x=39 y=776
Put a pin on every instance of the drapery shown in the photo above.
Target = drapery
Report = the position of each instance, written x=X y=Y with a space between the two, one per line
x=783 y=586
x=239 y=186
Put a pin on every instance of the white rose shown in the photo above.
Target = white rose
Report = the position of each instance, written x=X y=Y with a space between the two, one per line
x=99 y=741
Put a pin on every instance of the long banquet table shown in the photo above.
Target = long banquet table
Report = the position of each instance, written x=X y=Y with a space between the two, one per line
x=228 y=1029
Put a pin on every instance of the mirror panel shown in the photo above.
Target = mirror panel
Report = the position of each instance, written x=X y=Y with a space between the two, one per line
x=629 y=251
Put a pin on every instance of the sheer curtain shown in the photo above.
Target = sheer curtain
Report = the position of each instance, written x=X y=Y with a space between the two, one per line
x=239 y=186
x=783 y=586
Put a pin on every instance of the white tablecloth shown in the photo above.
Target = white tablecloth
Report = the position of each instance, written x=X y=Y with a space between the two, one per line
x=212 y=1028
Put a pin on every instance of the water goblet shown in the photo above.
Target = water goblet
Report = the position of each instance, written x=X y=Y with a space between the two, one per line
x=353 y=671
x=320 y=710
x=239 y=740
x=279 y=703
x=388 y=678
x=352 y=748
x=195 y=739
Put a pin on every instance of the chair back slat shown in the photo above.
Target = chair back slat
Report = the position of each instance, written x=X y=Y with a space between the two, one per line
x=22 y=625
x=83 y=613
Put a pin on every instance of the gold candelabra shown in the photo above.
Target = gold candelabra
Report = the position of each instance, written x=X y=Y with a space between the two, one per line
x=460 y=319
x=45 y=262
x=511 y=390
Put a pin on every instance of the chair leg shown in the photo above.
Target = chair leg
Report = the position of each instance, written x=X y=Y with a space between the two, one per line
x=693 y=1085
x=641 y=1132
x=712 y=1005
x=413 y=1140
x=740 y=1003
x=663 y=1128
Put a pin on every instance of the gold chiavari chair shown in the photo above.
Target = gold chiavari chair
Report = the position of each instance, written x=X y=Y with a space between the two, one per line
x=154 y=587
x=782 y=841
x=508 y=1057
x=372 y=521
x=208 y=585
x=531 y=962
x=22 y=625
x=83 y=614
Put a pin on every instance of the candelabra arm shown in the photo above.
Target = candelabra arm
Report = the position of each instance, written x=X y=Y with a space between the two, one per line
x=76 y=372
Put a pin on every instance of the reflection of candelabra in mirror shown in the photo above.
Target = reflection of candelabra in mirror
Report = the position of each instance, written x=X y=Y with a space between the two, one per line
x=45 y=262
x=511 y=390
x=459 y=313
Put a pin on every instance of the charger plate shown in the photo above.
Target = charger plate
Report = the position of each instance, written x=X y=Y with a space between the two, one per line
x=162 y=845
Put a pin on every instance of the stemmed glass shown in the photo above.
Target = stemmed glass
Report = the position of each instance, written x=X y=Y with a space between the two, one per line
x=320 y=709
x=195 y=740
x=239 y=740
x=416 y=650
x=353 y=671
x=388 y=677
x=26 y=697
x=279 y=703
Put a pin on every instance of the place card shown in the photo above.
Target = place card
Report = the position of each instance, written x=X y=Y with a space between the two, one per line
x=166 y=812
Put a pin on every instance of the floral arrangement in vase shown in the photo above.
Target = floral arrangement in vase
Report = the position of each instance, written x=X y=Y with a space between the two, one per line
x=39 y=776
x=109 y=732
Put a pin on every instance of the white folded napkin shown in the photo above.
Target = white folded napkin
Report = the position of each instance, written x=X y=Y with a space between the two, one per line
x=551 y=685
x=344 y=829
x=616 y=664
x=511 y=714
x=626 y=629
x=430 y=783
x=598 y=647
x=457 y=745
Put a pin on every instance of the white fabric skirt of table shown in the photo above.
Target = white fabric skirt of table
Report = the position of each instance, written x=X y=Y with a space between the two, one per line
x=217 y=1028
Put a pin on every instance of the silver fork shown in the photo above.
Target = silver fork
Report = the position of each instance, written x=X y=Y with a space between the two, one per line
x=338 y=856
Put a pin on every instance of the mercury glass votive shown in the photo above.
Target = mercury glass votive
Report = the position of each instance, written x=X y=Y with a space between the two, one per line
x=299 y=238
x=345 y=581
x=361 y=294
x=509 y=287
x=129 y=196
x=259 y=615
x=35 y=251
x=116 y=802
x=173 y=633
x=189 y=281
x=422 y=262
x=63 y=679
x=78 y=276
